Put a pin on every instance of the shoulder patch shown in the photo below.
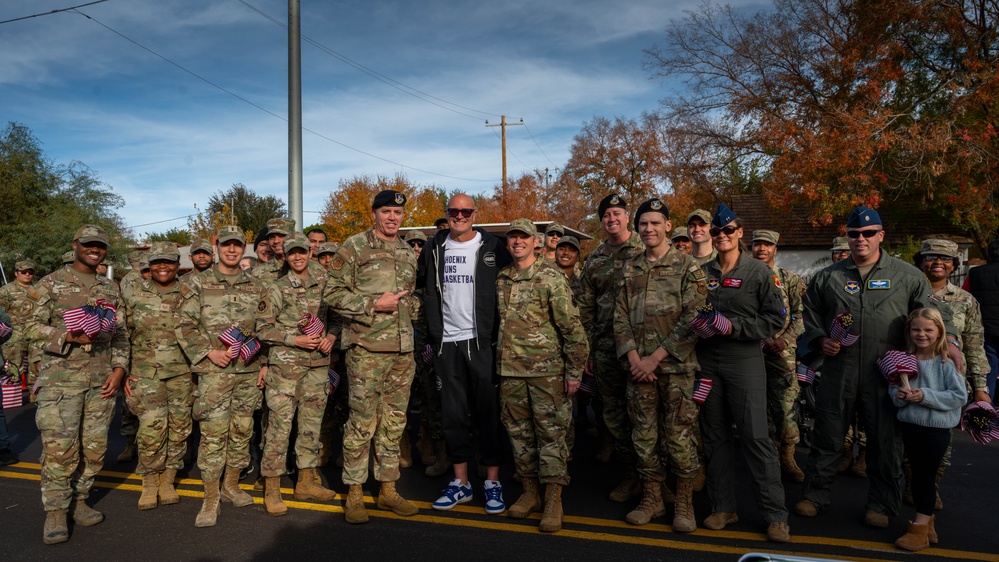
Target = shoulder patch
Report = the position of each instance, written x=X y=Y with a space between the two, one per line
x=338 y=262
x=262 y=307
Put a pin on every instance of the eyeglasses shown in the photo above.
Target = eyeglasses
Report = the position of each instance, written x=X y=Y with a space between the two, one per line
x=553 y=234
x=465 y=213
x=864 y=233
x=929 y=258
x=727 y=231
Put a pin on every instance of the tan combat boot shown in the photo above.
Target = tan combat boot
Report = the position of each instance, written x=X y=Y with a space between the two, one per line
x=389 y=498
x=84 y=515
x=150 y=485
x=717 y=521
x=273 y=503
x=650 y=506
x=353 y=505
x=551 y=519
x=128 y=453
x=405 y=451
x=859 y=468
x=788 y=464
x=847 y=461
x=55 y=530
x=683 y=509
x=231 y=492
x=209 y=513
x=425 y=445
x=628 y=488
x=915 y=539
x=441 y=464
x=310 y=487
x=167 y=493
x=529 y=501
x=701 y=478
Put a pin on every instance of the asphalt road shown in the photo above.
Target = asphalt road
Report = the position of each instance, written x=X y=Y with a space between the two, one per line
x=594 y=527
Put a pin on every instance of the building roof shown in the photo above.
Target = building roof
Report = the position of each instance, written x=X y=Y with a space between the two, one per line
x=499 y=229
x=901 y=219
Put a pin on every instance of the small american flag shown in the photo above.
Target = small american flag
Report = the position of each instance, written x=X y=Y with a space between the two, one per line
x=588 y=385
x=106 y=314
x=249 y=349
x=334 y=379
x=5 y=330
x=82 y=319
x=898 y=364
x=12 y=396
x=702 y=387
x=806 y=375
x=233 y=338
x=310 y=325
x=840 y=329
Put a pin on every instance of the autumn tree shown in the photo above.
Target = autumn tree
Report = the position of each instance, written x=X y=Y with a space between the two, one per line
x=204 y=224
x=526 y=197
x=347 y=210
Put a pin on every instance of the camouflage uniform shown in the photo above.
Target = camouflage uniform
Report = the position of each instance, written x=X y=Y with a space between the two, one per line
x=782 y=382
x=296 y=379
x=163 y=394
x=538 y=316
x=379 y=346
x=967 y=319
x=72 y=417
x=654 y=308
x=600 y=283
x=226 y=397
x=12 y=299
x=705 y=259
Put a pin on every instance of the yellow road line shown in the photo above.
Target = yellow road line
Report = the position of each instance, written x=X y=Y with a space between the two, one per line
x=797 y=540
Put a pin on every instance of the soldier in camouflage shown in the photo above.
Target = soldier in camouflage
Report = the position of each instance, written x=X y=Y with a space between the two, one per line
x=938 y=258
x=779 y=354
x=661 y=290
x=215 y=301
x=296 y=380
x=537 y=316
x=78 y=380
x=326 y=252
x=7 y=456
x=701 y=247
x=160 y=379
x=129 y=424
x=371 y=285
x=277 y=230
x=597 y=300
x=12 y=298
x=553 y=234
x=202 y=257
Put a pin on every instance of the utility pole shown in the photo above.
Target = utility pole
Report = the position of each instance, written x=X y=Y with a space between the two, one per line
x=502 y=125
x=295 y=113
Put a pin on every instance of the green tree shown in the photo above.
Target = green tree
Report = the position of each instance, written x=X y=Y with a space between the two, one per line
x=176 y=235
x=252 y=211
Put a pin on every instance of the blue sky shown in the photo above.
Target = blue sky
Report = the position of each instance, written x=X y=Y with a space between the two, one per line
x=165 y=140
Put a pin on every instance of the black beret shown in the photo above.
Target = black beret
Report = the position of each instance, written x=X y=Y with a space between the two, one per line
x=612 y=200
x=389 y=198
x=652 y=205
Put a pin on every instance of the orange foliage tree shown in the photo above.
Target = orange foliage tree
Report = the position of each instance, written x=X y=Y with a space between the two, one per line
x=347 y=210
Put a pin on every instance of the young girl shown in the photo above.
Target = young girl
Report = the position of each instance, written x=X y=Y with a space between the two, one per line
x=927 y=411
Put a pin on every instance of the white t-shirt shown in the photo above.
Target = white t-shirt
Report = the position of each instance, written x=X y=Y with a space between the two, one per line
x=459 y=289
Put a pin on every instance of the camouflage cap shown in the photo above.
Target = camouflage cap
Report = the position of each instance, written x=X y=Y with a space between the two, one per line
x=415 y=234
x=91 y=233
x=841 y=244
x=134 y=256
x=296 y=240
x=230 y=232
x=523 y=225
x=24 y=265
x=700 y=214
x=201 y=245
x=68 y=257
x=555 y=227
x=938 y=247
x=144 y=262
x=680 y=232
x=280 y=226
x=160 y=251
x=768 y=236
x=569 y=241
x=328 y=248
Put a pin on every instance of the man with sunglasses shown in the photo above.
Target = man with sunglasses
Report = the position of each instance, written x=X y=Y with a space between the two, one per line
x=12 y=298
x=553 y=234
x=879 y=291
x=458 y=271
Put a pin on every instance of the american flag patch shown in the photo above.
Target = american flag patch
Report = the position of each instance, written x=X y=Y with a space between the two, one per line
x=702 y=387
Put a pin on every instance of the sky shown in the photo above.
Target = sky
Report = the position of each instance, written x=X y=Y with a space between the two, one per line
x=170 y=102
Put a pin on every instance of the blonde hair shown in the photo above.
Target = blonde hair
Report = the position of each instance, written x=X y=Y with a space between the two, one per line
x=933 y=315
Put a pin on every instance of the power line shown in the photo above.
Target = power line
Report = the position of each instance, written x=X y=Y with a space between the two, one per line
x=267 y=111
x=160 y=222
x=538 y=145
x=510 y=151
x=409 y=90
x=53 y=11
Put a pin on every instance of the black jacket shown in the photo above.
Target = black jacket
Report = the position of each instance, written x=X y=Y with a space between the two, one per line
x=491 y=257
x=983 y=284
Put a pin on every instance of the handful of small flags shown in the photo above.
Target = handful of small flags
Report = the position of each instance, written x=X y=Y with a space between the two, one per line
x=702 y=387
x=806 y=375
x=5 y=330
x=334 y=379
x=310 y=325
x=91 y=319
x=840 y=329
x=980 y=421
x=709 y=322
x=588 y=385
x=240 y=345
x=428 y=354
x=10 y=387
x=898 y=367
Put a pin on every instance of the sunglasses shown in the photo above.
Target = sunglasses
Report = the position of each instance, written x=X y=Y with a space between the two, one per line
x=416 y=244
x=727 y=231
x=864 y=233
x=930 y=258
x=465 y=213
x=553 y=234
